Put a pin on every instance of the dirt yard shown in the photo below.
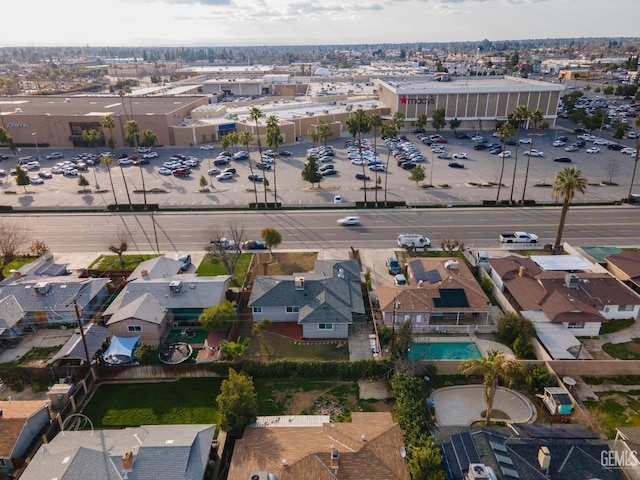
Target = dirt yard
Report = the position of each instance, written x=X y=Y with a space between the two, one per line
x=281 y=263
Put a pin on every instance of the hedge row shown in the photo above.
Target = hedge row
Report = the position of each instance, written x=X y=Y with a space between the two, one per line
x=343 y=370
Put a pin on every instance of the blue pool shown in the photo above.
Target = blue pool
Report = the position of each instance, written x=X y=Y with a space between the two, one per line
x=444 y=351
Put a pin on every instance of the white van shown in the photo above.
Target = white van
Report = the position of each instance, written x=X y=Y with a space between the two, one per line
x=413 y=240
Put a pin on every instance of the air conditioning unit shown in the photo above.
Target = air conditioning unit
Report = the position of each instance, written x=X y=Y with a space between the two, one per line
x=477 y=471
x=571 y=280
x=451 y=265
x=42 y=288
x=175 y=286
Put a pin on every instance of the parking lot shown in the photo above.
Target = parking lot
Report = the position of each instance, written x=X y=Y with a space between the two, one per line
x=471 y=184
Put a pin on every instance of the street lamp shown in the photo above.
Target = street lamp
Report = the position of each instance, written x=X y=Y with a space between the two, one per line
x=35 y=139
x=209 y=171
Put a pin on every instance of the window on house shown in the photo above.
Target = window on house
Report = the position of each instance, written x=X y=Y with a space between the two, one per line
x=325 y=326
x=293 y=309
x=3 y=463
x=576 y=325
x=134 y=328
x=599 y=308
x=257 y=309
x=625 y=308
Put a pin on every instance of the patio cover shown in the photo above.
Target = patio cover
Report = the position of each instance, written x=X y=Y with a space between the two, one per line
x=557 y=339
x=95 y=336
x=121 y=349
x=565 y=263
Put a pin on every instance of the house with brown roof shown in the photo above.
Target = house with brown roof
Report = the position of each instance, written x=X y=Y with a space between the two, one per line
x=580 y=301
x=625 y=267
x=441 y=291
x=305 y=447
x=21 y=423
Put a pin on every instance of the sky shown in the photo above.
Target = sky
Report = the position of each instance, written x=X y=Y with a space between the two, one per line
x=308 y=22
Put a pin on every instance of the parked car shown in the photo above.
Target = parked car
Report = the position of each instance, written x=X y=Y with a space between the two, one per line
x=559 y=143
x=207 y=147
x=562 y=160
x=263 y=166
x=55 y=155
x=221 y=161
x=505 y=154
x=164 y=171
x=36 y=181
x=362 y=176
x=254 y=245
x=326 y=166
x=444 y=156
x=593 y=150
x=571 y=148
x=456 y=165
x=224 y=176
x=150 y=155
x=400 y=279
x=256 y=178
x=241 y=155
x=460 y=156
x=349 y=221
x=408 y=165
x=524 y=141
x=230 y=170
x=329 y=172
x=337 y=199
x=533 y=153
x=615 y=146
x=285 y=153
x=480 y=146
x=143 y=150
x=377 y=168
x=213 y=171
x=181 y=172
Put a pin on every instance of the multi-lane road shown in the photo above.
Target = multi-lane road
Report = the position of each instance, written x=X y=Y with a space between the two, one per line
x=313 y=229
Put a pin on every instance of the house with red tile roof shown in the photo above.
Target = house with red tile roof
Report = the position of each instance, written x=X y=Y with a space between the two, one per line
x=440 y=291
x=625 y=267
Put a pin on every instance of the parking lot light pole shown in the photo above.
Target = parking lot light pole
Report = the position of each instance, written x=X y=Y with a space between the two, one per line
x=208 y=173
x=35 y=139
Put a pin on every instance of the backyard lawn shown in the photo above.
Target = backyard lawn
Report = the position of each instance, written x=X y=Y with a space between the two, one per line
x=267 y=346
x=615 y=409
x=623 y=351
x=187 y=401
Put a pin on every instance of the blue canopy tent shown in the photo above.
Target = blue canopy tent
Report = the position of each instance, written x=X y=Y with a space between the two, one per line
x=120 y=351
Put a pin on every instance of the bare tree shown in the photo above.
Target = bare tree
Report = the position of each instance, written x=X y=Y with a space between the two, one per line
x=451 y=245
x=120 y=245
x=227 y=247
x=612 y=168
x=12 y=237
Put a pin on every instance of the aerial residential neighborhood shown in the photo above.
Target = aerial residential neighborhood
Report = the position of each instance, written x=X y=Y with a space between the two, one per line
x=396 y=261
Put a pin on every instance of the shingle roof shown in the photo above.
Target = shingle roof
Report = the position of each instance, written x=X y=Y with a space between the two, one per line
x=14 y=416
x=157 y=267
x=628 y=262
x=10 y=312
x=308 y=450
x=332 y=290
x=145 y=308
x=169 y=452
x=94 y=335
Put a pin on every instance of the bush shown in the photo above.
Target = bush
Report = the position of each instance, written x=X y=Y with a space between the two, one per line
x=145 y=352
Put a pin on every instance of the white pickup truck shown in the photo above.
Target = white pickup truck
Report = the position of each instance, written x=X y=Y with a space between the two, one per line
x=518 y=237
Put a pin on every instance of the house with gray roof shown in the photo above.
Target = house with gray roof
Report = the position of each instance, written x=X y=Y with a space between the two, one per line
x=324 y=302
x=33 y=303
x=146 y=307
x=157 y=267
x=167 y=452
x=73 y=351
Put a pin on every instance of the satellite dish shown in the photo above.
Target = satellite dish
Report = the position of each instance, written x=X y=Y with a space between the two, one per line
x=403 y=452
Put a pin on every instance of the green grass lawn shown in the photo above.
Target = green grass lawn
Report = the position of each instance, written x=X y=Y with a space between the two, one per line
x=272 y=347
x=211 y=265
x=616 y=325
x=624 y=351
x=187 y=401
x=15 y=264
x=112 y=262
x=615 y=410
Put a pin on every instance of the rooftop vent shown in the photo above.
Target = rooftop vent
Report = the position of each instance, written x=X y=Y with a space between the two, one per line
x=544 y=457
x=299 y=283
x=451 y=265
x=127 y=460
x=175 y=286
x=42 y=288
x=571 y=280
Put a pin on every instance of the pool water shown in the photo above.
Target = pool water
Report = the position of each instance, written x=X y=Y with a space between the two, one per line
x=444 y=351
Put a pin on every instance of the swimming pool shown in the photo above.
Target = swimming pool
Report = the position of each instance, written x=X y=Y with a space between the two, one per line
x=444 y=351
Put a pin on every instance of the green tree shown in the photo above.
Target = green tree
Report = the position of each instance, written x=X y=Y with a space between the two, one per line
x=513 y=325
x=132 y=133
x=22 y=178
x=219 y=317
x=82 y=181
x=237 y=403
x=425 y=462
x=119 y=245
x=274 y=140
x=418 y=175
x=520 y=114
x=149 y=138
x=145 y=352
x=535 y=117
x=439 y=121
x=93 y=138
x=203 y=183
x=108 y=123
x=324 y=131
x=357 y=125
x=272 y=238
x=454 y=124
x=390 y=131
x=421 y=121
x=107 y=161
x=398 y=120
x=255 y=114
x=126 y=90
x=5 y=137
x=310 y=171
x=568 y=182
x=505 y=132
x=234 y=350
x=495 y=368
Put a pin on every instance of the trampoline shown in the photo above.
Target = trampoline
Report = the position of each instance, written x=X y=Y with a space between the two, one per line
x=175 y=353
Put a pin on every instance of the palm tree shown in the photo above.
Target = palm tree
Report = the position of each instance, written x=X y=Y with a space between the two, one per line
x=133 y=135
x=245 y=138
x=121 y=93
x=495 y=368
x=520 y=114
x=93 y=138
x=357 y=125
x=375 y=121
x=636 y=122
x=568 y=181
x=254 y=114
x=535 y=117
x=505 y=132
x=390 y=131
x=108 y=123
x=274 y=140
x=107 y=161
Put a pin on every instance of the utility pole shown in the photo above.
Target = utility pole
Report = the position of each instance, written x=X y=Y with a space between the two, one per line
x=84 y=340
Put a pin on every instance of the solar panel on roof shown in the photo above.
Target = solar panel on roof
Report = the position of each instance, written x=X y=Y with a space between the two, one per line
x=433 y=276
x=470 y=447
x=556 y=430
x=451 y=298
x=51 y=269
x=451 y=462
x=461 y=453
x=418 y=271
x=498 y=447
x=504 y=459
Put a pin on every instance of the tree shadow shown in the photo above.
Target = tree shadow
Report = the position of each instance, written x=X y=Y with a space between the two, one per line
x=88 y=199
x=26 y=200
